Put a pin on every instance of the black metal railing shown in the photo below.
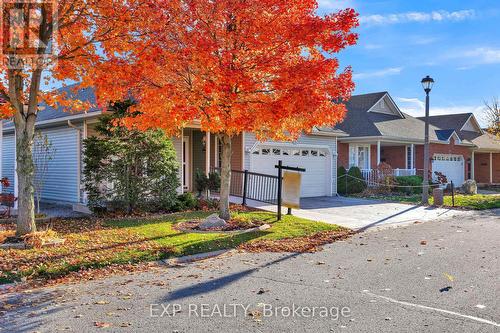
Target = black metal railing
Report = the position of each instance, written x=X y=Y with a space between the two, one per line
x=253 y=186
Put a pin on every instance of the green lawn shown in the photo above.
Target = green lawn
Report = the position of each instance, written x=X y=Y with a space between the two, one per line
x=108 y=243
x=476 y=202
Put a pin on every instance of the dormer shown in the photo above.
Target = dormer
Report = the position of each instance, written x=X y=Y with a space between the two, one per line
x=471 y=125
x=386 y=105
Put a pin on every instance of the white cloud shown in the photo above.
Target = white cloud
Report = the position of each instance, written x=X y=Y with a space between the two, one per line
x=483 y=55
x=379 y=73
x=416 y=108
x=373 y=46
x=436 y=16
x=336 y=4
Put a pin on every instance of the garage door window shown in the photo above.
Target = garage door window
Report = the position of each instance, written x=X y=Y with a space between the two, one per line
x=291 y=152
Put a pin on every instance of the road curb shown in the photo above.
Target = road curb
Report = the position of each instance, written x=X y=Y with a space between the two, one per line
x=194 y=257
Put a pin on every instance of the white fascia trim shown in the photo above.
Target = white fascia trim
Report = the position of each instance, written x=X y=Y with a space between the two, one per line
x=330 y=134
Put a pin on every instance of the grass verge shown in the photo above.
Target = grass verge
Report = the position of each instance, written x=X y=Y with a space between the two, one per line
x=475 y=202
x=113 y=245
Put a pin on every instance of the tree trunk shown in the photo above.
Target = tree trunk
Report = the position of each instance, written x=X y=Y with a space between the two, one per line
x=225 y=177
x=25 y=176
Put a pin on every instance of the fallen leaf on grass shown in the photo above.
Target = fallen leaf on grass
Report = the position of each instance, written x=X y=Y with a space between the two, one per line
x=312 y=243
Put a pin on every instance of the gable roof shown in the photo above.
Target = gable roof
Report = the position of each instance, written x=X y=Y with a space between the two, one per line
x=455 y=121
x=48 y=113
x=359 y=122
x=444 y=135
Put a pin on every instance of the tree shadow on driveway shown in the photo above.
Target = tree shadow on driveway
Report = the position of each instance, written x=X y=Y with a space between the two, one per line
x=219 y=283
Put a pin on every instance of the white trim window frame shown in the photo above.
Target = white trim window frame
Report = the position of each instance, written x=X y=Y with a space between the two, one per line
x=354 y=155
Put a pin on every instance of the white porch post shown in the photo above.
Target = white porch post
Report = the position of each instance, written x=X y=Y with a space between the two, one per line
x=472 y=166
x=207 y=153
x=491 y=168
x=378 y=153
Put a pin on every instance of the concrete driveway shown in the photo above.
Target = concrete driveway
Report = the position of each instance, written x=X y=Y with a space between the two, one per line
x=363 y=214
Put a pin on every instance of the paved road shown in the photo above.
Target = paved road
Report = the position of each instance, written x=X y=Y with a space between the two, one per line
x=439 y=276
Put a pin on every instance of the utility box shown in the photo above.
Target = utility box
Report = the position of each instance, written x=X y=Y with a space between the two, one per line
x=437 y=194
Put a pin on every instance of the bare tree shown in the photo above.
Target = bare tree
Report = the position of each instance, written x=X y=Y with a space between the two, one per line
x=43 y=153
x=492 y=116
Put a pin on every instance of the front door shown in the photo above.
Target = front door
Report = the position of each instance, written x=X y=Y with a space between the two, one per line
x=186 y=156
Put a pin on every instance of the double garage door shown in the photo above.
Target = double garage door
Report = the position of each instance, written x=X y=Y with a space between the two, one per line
x=452 y=166
x=316 y=181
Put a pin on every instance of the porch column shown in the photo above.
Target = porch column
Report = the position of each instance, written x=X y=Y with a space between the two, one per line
x=412 y=157
x=207 y=153
x=491 y=168
x=472 y=166
x=378 y=153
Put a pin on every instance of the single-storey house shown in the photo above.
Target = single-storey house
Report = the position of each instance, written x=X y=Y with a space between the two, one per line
x=378 y=131
x=316 y=152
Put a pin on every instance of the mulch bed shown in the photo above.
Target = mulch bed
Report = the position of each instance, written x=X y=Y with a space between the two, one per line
x=306 y=244
x=233 y=225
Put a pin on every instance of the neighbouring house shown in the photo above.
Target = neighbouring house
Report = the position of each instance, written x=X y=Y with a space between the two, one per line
x=378 y=131
x=196 y=150
x=484 y=163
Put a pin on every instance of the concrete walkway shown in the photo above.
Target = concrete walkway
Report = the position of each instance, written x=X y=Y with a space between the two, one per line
x=362 y=214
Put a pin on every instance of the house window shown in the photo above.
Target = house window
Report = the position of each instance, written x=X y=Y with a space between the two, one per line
x=408 y=158
x=359 y=155
x=276 y=151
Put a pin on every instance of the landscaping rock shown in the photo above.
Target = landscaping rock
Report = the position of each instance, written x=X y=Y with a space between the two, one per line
x=213 y=221
x=437 y=193
x=469 y=187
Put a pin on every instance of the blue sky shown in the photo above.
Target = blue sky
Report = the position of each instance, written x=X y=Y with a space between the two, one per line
x=401 y=41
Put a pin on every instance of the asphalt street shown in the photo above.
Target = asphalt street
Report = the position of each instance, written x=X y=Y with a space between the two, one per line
x=439 y=276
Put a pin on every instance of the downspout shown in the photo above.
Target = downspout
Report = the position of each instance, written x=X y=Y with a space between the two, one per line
x=79 y=159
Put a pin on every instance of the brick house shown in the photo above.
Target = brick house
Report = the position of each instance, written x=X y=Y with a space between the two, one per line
x=378 y=131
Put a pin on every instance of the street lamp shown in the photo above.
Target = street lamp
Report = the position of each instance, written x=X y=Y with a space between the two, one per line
x=427 y=83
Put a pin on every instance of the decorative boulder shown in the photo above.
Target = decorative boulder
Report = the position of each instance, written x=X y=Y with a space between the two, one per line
x=469 y=187
x=211 y=222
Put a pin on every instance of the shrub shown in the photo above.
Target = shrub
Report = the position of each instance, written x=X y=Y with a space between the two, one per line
x=409 y=181
x=200 y=182
x=385 y=178
x=185 y=201
x=341 y=180
x=213 y=183
x=129 y=169
x=355 y=183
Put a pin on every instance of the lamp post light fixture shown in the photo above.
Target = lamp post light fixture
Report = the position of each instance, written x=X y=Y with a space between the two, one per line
x=427 y=83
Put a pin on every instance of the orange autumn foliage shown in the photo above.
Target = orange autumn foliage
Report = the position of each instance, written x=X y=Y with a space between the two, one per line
x=263 y=66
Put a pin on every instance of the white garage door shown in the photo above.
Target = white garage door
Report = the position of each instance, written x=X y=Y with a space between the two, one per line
x=452 y=166
x=316 y=181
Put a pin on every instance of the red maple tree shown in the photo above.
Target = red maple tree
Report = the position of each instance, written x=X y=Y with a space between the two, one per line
x=52 y=42
x=266 y=67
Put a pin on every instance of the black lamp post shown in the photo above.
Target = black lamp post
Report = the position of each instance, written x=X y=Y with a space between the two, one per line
x=427 y=83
